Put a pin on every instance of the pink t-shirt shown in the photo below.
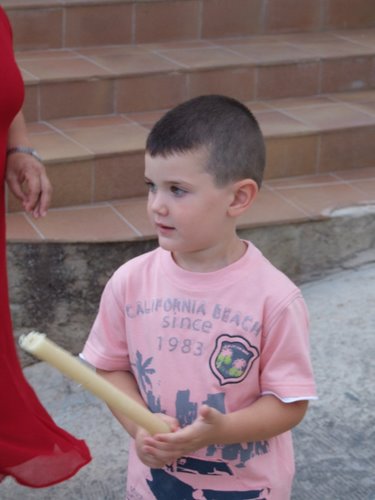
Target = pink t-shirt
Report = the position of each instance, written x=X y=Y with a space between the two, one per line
x=221 y=338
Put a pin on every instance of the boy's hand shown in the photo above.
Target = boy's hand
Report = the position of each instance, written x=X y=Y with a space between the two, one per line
x=166 y=448
x=143 y=452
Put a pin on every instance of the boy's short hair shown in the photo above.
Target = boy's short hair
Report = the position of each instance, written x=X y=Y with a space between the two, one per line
x=222 y=125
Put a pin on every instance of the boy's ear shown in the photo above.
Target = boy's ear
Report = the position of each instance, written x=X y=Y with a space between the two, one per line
x=244 y=193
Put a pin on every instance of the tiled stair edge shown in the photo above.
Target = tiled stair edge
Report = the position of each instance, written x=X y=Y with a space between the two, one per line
x=280 y=201
x=55 y=287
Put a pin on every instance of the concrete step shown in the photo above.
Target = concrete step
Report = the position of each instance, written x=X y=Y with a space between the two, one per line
x=98 y=159
x=128 y=78
x=41 y=24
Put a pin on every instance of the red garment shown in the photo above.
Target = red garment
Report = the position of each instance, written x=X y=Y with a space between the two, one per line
x=33 y=449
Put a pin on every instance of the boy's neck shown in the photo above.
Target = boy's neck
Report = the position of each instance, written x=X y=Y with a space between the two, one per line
x=212 y=259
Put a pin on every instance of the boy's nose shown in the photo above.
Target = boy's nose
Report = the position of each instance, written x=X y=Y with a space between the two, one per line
x=157 y=204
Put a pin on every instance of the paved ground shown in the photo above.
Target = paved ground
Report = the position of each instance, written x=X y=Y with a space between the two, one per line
x=335 y=444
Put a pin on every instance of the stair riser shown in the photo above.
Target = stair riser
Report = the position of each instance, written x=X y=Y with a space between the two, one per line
x=149 y=92
x=122 y=176
x=127 y=22
x=97 y=180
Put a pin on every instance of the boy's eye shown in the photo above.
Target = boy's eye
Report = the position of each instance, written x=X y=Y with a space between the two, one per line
x=177 y=191
x=151 y=186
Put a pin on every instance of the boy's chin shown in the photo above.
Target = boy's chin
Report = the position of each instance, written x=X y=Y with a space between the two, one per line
x=166 y=245
x=171 y=246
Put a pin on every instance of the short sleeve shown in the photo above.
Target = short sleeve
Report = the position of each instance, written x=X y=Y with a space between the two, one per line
x=286 y=369
x=106 y=347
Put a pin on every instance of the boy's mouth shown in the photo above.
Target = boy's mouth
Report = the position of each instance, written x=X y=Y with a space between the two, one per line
x=163 y=227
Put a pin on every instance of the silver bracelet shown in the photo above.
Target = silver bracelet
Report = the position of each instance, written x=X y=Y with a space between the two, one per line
x=26 y=150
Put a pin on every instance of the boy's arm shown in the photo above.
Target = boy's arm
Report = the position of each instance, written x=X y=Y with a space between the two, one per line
x=264 y=419
x=126 y=382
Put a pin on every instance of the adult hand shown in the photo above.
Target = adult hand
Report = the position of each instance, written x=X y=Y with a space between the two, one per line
x=28 y=181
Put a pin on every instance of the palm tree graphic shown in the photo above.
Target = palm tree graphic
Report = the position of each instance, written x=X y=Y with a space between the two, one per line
x=143 y=370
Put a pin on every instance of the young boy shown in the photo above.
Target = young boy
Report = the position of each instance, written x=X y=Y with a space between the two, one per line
x=204 y=330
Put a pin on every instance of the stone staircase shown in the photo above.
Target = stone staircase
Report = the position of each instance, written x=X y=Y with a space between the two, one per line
x=98 y=73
